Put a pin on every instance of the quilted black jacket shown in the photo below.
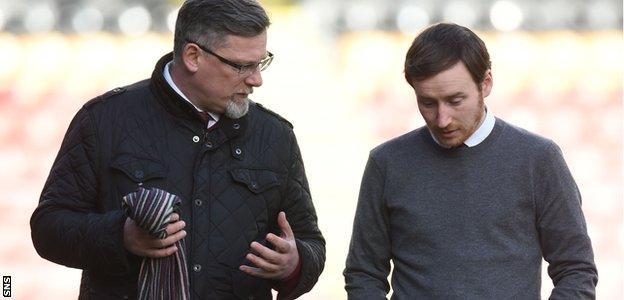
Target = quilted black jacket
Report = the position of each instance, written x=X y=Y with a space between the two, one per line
x=234 y=180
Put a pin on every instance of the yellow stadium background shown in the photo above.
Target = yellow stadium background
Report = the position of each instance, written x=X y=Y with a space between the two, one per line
x=344 y=93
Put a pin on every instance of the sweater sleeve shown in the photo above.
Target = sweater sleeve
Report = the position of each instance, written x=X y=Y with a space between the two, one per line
x=66 y=226
x=562 y=230
x=368 y=261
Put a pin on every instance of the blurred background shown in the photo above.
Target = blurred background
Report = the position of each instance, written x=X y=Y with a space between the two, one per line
x=337 y=76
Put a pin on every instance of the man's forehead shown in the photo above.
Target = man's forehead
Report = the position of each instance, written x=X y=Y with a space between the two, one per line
x=245 y=46
x=231 y=40
x=442 y=87
x=455 y=78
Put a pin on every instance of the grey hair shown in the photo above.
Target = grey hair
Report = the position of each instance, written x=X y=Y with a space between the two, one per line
x=209 y=22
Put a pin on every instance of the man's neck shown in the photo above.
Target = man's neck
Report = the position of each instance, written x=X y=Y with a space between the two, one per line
x=179 y=78
x=171 y=73
x=483 y=129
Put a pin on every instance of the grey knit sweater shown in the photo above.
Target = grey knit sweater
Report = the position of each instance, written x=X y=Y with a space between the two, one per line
x=469 y=223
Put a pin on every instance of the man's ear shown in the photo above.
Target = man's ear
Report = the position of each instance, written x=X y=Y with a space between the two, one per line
x=486 y=85
x=190 y=57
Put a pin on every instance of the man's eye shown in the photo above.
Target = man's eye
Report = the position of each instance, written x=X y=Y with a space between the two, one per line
x=456 y=101
x=248 y=67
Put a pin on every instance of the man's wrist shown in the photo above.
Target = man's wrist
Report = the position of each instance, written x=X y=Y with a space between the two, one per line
x=294 y=274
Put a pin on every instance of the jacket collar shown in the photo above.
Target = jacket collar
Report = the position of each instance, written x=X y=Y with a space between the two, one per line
x=180 y=108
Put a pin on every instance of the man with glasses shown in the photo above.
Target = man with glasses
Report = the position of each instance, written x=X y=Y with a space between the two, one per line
x=246 y=216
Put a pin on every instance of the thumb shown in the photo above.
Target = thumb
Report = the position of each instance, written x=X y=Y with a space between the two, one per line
x=284 y=226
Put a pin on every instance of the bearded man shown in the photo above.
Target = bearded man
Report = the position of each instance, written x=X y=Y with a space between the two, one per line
x=466 y=206
x=189 y=133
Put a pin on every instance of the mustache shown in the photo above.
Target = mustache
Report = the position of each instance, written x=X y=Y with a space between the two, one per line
x=447 y=129
x=249 y=91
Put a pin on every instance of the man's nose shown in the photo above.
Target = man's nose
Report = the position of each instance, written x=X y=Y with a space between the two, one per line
x=443 y=118
x=255 y=78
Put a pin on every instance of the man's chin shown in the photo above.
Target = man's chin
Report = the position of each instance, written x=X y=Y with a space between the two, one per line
x=237 y=108
x=449 y=143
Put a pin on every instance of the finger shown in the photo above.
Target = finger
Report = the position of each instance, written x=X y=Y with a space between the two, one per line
x=257 y=272
x=265 y=252
x=168 y=241
x=175 y=227
x=262 y=263
x=281 y=245
x=285 y=226
x=174 y=217
x=159 y=253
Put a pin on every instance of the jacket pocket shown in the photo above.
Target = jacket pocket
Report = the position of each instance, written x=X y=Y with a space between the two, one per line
x=138 y=169
x=129 y=172
x=256 y=180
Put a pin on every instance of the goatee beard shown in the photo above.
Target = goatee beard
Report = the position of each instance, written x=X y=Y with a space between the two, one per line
x=236 y=110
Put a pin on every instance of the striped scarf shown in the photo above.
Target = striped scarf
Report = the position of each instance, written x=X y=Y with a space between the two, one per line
x=160 y=278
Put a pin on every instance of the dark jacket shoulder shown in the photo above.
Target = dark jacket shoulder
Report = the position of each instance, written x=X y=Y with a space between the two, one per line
x=120 y=95
x=266 y=113
x=121 y=103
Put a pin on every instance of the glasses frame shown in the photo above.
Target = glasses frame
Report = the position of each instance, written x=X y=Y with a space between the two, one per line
x=241 y=69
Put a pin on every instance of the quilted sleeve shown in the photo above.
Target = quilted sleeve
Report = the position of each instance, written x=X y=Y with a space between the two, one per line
x=299 y=209
x=66 y=227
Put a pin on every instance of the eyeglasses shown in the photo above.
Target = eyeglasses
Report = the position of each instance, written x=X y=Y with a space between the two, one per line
x=241 y=69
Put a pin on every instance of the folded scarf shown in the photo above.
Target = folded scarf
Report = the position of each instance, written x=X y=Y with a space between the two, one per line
x=159 y=278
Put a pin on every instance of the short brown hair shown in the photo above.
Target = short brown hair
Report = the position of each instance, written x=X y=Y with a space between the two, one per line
x=441 y=46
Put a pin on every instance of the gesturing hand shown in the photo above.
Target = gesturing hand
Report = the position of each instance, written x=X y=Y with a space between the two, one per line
x=139 y=242
x=278 y=263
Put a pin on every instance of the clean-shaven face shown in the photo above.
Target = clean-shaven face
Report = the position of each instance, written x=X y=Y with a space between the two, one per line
x=452 y=104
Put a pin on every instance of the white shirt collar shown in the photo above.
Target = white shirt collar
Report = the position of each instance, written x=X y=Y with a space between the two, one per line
x=480 y=134
x=169 y=80
x=483 y=131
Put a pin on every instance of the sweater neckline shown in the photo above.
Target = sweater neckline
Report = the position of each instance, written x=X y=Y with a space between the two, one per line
x=499 y=127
